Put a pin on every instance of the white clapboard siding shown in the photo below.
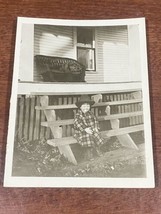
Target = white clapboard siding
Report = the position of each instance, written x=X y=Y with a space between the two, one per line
x=112 y=53
x=134 y=53
x=94 y=77
x=53 y=41
x=111 y=50
x=26 y=53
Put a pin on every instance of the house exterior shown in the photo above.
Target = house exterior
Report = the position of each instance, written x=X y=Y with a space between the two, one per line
x=110 y=53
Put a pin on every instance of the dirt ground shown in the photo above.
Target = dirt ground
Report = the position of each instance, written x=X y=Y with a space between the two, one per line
x=37 y=158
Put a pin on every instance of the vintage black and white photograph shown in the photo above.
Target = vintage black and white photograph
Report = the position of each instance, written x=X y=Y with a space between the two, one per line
x=80 y=109
x=89 y=54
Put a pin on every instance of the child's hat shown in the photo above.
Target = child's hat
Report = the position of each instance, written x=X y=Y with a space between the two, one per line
x=84 y=99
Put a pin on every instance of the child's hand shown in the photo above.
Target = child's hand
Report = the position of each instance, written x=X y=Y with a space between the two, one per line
x=96 y=130
x=89 y=131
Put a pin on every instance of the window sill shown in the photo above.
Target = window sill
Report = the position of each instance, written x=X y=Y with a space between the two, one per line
x=91 y=72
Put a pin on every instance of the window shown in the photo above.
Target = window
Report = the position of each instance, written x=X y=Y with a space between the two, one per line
x=86 y=48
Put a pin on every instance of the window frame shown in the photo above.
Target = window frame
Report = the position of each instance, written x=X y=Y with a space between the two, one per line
x=93 y=48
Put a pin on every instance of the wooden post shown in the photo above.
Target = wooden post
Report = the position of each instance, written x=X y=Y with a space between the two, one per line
x=97 y=98
x=57 y=131
x=124 y=139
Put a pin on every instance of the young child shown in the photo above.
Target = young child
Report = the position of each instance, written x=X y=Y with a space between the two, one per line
x=86 y=127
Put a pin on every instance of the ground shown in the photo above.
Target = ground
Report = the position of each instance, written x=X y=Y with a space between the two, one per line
x=37 y=158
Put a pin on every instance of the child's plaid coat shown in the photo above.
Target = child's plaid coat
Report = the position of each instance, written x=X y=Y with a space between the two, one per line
x=87 y=120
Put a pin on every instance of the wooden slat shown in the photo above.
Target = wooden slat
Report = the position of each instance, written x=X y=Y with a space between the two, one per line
x=21 y=113
x=47 y=133
x=100 y=118
x=105 y=134
x=37 y=121
x=68 y=127
x=122 y=131
x=126 y=122
x=42 y=129
x=27 y=115
x=72 y=106
x=119 y=116
x=31 y=122
x=136 y=109
x=61 y=142
x=64 y=127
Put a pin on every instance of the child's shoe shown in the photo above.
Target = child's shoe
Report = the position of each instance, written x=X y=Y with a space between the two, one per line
x=98 y=151
x=89 y=154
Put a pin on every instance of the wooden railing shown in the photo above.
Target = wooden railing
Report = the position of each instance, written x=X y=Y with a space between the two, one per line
x=29 y=119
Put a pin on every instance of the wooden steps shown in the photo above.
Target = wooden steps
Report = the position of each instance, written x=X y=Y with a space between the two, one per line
x=100 y=118
x=63 y=143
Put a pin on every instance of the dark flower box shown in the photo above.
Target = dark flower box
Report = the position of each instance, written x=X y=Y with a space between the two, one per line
x=59 y=69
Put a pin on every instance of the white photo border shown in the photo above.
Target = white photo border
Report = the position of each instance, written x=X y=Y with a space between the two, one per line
x=12 y=181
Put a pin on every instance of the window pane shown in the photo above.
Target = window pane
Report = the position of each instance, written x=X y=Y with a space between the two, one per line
x=86 y=56
x=85 y=37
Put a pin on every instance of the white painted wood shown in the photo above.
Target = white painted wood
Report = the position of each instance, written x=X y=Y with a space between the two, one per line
x=76 y=88
x=53 y=41
x=124 y=138
x=134 y=53
x=71 y=106
x=26 y=53
x=105 y=134
x=112 y=53
x=57 y=131
x=100 y=118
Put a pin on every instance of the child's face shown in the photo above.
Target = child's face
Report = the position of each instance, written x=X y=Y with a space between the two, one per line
x=85 y=107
